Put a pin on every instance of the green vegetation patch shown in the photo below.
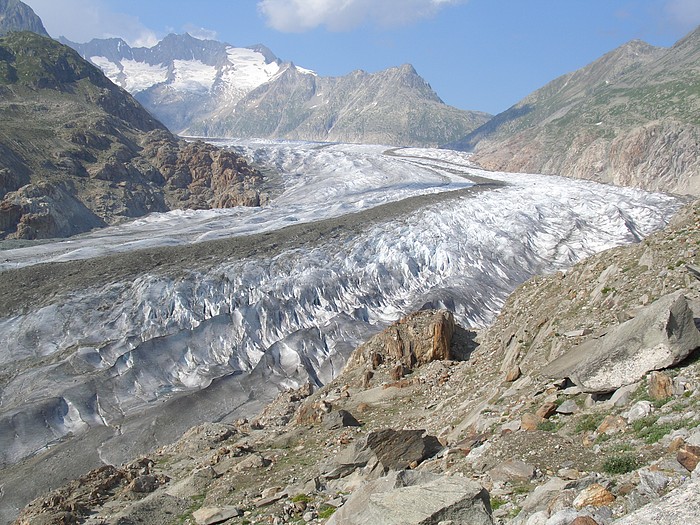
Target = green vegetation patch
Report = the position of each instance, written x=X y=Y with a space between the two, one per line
x=621 y=464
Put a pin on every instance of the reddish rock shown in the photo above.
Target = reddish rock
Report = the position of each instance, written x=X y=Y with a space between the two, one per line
x=689 y=457
x=546 y=410
x=513 y=374
x=611 y=425
x=660 y=386
x=529 y=422
x=584 y=520
x=594 y=496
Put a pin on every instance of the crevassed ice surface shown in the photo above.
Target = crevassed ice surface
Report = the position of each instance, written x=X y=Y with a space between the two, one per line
x=120 y=348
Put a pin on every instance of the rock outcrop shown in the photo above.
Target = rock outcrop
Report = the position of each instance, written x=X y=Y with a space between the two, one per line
x=81 y=153
x=662 y=335
x=18 y=16
x=408 y=498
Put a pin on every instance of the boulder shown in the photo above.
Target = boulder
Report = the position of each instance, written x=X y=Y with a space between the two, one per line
x=512 y=470
x=415 y=340
x=639 y=410
x=594 y=495
x=689 y=457
x=662 y=335
x=213 y=515
x=382 y=451
x=339 y=419
x=660 y=386
x=409 y=497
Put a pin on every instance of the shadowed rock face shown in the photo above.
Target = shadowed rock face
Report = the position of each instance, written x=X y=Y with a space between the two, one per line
x=85 y=154
x=663 y=335
x=18 y=16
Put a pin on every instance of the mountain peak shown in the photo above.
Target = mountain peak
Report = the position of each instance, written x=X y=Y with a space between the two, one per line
x=18 y=16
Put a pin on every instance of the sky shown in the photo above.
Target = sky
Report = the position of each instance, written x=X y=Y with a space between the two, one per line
x=476 y=54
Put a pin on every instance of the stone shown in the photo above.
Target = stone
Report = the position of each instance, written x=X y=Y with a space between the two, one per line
x=611 y=425
x=414 y=340
x=529 y=422
x=662 y=335
x=213 y=515
x=639 y=410
x=339 y=419
x=382 y=451
x=513 y=374
x=546 y=410
x=410 y=497
x=660 y=386
x=539 y=498
x=562 y=517
x=567 y=407
x=623 y=394
x=511 y=426
x=584 y=520
x=512 y=470
x=651 y=483
x=689 y=457
x=678 y=506
x=594 y=495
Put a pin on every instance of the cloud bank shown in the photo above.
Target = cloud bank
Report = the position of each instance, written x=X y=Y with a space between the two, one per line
x=296 y=16
x=83 y=20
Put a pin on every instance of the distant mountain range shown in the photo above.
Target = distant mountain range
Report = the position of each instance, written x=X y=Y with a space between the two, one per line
x=208 y=88
x=630 y=118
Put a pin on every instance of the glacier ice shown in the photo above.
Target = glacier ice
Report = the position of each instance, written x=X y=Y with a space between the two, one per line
x=227 y=334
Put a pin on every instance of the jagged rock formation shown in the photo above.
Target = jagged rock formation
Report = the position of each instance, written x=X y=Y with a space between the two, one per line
x=79 y=153
x=629 y=118
x=207 y=88
x=18 y=16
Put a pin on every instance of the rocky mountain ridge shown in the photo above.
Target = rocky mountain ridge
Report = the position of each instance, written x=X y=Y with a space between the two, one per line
x=629 y=118
x=428 y=408
x=80 y=153
x=208 y=88
x=18 y=16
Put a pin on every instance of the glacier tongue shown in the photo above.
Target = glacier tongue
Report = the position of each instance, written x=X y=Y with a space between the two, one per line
x=234 y=330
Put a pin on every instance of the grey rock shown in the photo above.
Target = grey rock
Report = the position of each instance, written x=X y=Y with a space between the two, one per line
x=622 y=395
x=639 y=410
x=539 y=498
x=567 y=407
x=681 y=505
x=563 y=517
x=339 y=419
x=662 y=335
x=382 y=451
x=513 y=470
x=213 y=515
x=410 y=497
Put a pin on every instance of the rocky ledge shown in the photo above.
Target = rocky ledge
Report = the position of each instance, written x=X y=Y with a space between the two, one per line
x=529 y=422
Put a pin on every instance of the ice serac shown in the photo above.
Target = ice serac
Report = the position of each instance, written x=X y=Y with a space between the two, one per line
x=130 y=335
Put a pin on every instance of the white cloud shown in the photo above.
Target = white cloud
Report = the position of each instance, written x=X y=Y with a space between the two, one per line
x=201 y=32
x=296 y=16
x=83 y=20
x=684 y=13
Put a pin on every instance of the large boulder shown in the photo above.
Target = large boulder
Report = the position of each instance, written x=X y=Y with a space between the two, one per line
x=681 y=505
x=382 y=451
x=415 y=340
x=662 y=335
x=413 y=498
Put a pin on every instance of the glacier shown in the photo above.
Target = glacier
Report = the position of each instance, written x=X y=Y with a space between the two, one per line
x=268 y=298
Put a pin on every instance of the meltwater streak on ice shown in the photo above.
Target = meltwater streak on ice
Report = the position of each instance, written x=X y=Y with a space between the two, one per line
x=131 y=343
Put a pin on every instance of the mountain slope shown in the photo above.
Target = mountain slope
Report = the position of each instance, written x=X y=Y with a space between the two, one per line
x=631 y=118
x=78 y=152
x=18 y=16
x=203 y=87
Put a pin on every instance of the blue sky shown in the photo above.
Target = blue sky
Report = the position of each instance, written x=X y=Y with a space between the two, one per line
x=476 y=54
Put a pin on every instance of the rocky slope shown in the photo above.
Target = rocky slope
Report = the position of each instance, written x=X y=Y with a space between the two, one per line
x=80 y=153
x=207 y=88
x=439 y=423
x=629 y=118
x=18 y=16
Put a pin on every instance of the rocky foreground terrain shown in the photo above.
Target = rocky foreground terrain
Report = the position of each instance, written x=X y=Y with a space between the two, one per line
x=77 y=152
x=579 y=405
